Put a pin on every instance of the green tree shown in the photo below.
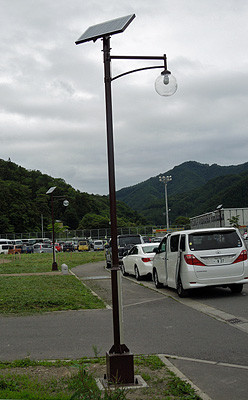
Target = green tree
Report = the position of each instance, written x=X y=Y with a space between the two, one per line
x=182 y=221
x=234 y=221
x=57 y=227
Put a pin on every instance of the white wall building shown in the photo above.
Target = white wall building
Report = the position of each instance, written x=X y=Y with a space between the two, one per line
x=220 y=218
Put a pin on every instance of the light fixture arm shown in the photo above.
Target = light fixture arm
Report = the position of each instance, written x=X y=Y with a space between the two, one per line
x=140 y=58
x=135 y=70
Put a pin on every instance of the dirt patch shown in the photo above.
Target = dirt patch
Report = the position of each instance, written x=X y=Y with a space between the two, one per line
x=40 y=372
x=157 y=380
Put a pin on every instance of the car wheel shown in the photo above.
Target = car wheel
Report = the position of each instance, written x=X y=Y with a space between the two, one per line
x=123 y=271
x=136 y=273
x=236 y=288
x=156 y=280
x=180 y=290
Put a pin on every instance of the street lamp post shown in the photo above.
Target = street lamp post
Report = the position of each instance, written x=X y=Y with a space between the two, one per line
x=220 y=208
x=119 y=360
x=65 y=203
x=165 y=180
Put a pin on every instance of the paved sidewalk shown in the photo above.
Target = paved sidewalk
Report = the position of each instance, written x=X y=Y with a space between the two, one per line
x=211 y=379
x=190 y=342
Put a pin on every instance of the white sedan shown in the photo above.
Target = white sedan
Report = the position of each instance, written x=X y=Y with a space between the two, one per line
x=139 y=259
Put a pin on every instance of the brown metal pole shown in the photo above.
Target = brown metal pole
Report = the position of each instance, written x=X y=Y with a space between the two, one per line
x=54 y=265
x=119 y=361
x=112 y=195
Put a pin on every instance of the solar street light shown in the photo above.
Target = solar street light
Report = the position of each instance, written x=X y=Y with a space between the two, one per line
x=220 y=208
x=54 y=264
x=119 y=360
x=65 y=203
x=165 y=180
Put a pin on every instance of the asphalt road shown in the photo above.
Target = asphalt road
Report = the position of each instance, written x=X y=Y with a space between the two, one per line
x=198 y=334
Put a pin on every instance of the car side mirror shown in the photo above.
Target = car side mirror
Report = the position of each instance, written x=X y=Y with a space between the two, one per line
x=155 y=250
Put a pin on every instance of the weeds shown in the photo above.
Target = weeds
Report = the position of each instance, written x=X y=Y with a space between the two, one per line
x=34 y=380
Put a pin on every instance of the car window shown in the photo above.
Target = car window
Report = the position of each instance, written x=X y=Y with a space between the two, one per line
x=149 y=249
x=124 y=241
x=133 y=250
x=182 y=243
x=174 y=240
x=214 y=240
x=162 y=246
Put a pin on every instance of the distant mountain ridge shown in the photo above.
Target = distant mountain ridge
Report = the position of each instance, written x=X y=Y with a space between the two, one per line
x=187 y=179
x=23 y=200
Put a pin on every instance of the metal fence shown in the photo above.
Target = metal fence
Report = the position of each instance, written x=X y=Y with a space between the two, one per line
x=101 y=233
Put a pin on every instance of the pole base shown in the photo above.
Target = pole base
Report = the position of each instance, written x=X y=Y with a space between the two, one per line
x=120 y=367
x=54 y=266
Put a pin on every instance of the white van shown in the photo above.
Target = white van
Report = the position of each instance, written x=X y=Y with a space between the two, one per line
x=198 y=258
x=5 y=245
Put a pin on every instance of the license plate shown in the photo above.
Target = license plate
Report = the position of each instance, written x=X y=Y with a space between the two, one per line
x=219 y=260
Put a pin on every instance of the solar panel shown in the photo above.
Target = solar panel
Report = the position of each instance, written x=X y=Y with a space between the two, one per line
x=51 y=189
x=107 y=28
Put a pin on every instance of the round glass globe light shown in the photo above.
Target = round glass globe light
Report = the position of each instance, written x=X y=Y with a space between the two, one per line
x=166 y=85
x=65 y=203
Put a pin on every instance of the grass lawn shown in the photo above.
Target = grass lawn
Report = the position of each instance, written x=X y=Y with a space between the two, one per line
x=23 y=263
x=32 y=294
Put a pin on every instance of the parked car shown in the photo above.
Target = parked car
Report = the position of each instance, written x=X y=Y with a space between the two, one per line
x=139 y=259
x=83 y=245
x=124 y=243
x=57 y=247
x=198 y=258
x=29 y=248
x=68 y=246
x=17 y=242
x=5 y=244
x=98 y=245
x=43 y=248
x=61 y=245
x=13 y=249
x=4 y=248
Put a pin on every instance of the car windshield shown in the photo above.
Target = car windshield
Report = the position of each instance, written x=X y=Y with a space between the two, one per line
x=149 y=249
x=214 y=240
x=124 y=241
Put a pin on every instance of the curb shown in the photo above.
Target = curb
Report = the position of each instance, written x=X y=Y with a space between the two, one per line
x=181 y=376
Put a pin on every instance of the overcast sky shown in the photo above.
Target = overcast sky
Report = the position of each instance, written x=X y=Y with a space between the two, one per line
x=52 y=109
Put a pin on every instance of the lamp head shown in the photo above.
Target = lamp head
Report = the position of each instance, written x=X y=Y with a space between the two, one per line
x=166 y=84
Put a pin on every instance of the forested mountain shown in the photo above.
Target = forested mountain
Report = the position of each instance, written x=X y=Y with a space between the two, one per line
x=229 y=190
x=195 y=188
x=23 y=200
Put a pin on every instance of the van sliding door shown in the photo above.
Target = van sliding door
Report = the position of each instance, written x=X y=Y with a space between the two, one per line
x=173 y=260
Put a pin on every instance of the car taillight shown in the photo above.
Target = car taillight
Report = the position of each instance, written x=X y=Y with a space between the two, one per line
x=192 y=260
x=146 y=259
x=241 y=257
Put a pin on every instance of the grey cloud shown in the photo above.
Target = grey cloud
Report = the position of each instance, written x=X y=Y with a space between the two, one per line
x=52 y=91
